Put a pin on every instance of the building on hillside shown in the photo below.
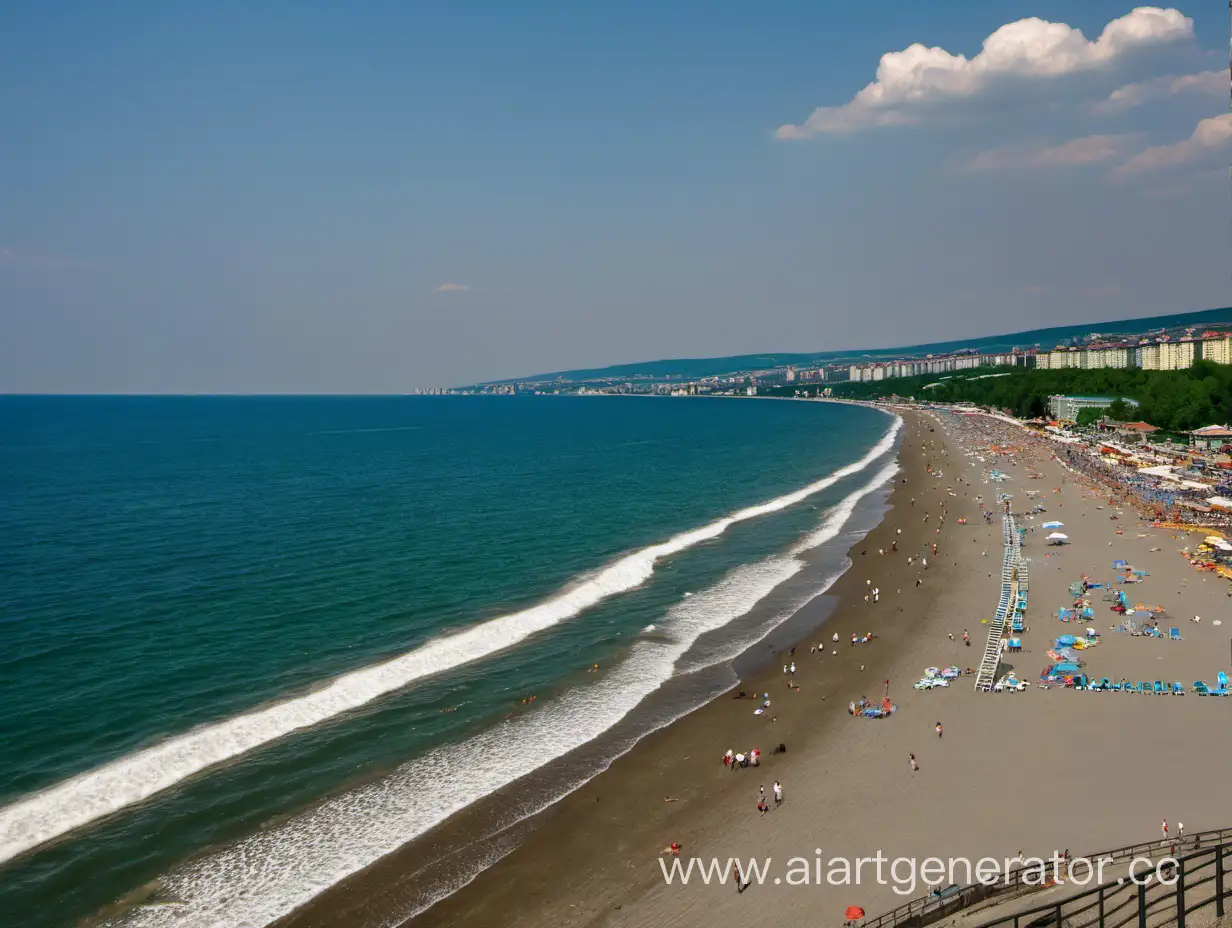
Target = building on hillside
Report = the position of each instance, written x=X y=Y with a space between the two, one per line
x=1210 y=437
x=1060 y=358
x=1148 y=357
x=1067 y=407
x=1176 y=356
x=1217 y=349
x=1101 y=356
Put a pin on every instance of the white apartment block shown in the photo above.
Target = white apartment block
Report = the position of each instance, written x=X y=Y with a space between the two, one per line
x=1218 y=350
x=1175 y=356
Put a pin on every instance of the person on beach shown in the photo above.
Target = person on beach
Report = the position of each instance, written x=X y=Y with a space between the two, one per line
x=1180 y=831
x=938 y=729
x=762 y=807
x=778 y=792
x=740 y=884
x=966 y=638
x=914 y=764
x=1164 y=829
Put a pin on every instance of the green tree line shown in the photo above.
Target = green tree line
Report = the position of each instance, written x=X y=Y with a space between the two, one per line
x=1172 y=400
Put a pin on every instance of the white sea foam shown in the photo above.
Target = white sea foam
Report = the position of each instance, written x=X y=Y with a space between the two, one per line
x=271 y=873
x=38 y=818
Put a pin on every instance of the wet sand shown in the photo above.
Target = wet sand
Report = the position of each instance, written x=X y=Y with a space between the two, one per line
x=1039 y=771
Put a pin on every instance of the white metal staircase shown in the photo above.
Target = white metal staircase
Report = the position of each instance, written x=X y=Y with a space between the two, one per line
x=1012 y=573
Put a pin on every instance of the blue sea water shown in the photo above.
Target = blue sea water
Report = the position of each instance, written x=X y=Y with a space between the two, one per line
x=174 y=565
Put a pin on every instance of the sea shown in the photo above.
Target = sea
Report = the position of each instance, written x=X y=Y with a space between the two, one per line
x=249 y=646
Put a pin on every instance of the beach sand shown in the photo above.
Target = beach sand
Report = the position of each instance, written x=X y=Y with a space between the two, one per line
x=1040 y=771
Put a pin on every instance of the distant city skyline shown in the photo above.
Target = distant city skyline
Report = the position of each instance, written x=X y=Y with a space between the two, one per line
x=240 y=199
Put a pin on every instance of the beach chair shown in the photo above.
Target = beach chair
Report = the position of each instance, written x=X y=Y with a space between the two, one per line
x=1105 y=684
x=1174 y=634
x=1222 y=679
x=1158 y=688
x=1144 y=687
x=1178 y=689
x=1200 y=688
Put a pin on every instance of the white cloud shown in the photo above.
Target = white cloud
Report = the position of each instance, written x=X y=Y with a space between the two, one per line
x=1208 y=83
x=1028 y=48
x=452 y=288
x=1091 y=149
x=1211 y=136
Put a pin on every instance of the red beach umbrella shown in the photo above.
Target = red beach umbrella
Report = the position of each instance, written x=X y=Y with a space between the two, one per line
x=854 y=912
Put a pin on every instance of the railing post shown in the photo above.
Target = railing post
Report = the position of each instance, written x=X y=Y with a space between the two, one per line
x=1101 y=907
x=1142 y=904
x=1058 y=915
x=1180 y=895
x=1219 y=881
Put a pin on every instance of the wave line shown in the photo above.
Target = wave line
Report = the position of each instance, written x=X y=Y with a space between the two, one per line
x=45 y=815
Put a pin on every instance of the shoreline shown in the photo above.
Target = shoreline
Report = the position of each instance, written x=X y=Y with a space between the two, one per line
x=994 y=785
x=385 y=882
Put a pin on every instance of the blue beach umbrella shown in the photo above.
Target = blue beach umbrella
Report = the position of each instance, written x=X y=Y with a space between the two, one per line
x=1054 y=524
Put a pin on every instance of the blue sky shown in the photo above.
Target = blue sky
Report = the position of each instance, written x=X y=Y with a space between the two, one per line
x=269 y=197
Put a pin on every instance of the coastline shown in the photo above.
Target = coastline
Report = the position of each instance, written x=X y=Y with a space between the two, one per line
x=1040 y=771
x=390 y=884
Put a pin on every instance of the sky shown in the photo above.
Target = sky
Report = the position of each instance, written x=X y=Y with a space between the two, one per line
x=376 y=197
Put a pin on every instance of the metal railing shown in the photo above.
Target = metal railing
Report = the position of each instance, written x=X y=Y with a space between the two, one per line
x=1204 y=864
x=1193 y=882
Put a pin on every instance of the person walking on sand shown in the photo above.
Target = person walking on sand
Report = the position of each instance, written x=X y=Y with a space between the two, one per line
x=914 y=764
x=938 y=729
x=740 y=884
x=778 y=792
x=1180 y=831
x=1164 y=829
x=966 y=638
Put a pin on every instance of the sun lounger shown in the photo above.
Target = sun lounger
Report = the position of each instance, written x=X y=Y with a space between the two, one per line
x=1222 y=679
x=1144 y=687
x=1200 y=688
x=1174 y=634
x=1158 y=688
x=1178 y=689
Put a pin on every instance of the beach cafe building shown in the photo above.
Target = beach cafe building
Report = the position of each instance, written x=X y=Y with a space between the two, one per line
x=1210 y=437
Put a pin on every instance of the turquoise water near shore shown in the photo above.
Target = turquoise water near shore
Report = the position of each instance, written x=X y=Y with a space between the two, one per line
x=173 y=564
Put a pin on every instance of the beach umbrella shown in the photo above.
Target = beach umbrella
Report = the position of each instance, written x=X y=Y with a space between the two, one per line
x=1053 y=524
x=854 y=912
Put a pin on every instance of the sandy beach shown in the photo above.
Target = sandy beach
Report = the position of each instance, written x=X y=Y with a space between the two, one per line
x=1039 y=771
